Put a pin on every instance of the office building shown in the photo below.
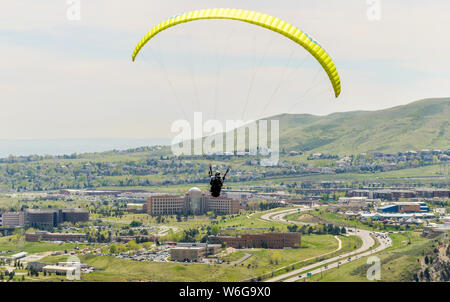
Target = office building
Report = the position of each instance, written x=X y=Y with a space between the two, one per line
x=265 y=240
x=194 y=202
x=193 y=251
x=47 y=236
x=13 y=219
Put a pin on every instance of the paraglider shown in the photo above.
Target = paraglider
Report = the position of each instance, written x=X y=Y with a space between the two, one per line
x=259 y=19
x=216 y=182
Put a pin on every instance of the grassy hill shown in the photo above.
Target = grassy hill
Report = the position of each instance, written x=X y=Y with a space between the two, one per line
x=423 y=124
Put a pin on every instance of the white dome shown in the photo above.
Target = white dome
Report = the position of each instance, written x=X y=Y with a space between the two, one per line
x=194 y=189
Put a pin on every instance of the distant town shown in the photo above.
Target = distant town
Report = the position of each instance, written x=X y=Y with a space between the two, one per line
x=156 y=232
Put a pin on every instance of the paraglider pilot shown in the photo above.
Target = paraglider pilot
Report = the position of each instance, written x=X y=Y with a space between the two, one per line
x=216 y=181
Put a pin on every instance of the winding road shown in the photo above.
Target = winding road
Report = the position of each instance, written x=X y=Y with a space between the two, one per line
x=365 y=250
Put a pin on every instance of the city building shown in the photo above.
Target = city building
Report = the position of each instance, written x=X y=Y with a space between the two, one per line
x=404 y=207
x=352 y=204
x=43 y=217
x=265 y=240
x=395 y=194
x=238 y=194
x=47 y=236
x=395 y=216
x=165 y=204
x=137 y=238
x=18 y=256
x=221 y=205
x=193 y=251
x=135 y=207
x=35 y=265
x=72 y=264
x=432 y=193
x=13 y=219
x=194 y=202
x=53 y=217
x=75 y=215
x=56 y=269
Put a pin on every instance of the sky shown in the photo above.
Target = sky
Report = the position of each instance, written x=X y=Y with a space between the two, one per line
x=65 y=79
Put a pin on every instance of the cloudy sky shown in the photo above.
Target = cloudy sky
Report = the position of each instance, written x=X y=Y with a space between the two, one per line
x=64 y=78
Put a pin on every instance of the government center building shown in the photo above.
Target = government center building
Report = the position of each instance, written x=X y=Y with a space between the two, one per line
x=193 y=202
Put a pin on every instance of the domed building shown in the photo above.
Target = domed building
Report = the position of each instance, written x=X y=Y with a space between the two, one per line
x=195 y=200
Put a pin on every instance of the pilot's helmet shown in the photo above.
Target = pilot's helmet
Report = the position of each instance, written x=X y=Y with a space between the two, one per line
x=217 y=173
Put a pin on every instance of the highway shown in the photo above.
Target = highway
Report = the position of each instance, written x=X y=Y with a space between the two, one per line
x=318 y=267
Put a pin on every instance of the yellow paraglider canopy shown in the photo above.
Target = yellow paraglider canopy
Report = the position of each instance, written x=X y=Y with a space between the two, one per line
x=259 y=19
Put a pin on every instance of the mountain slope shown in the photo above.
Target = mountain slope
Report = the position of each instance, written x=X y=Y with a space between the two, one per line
x=423 y=124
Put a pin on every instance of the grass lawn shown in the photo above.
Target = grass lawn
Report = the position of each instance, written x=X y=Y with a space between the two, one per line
x=262 y=262
x=9 y=243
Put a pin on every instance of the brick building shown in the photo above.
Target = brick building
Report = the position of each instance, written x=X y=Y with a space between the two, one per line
x=46 y=236
x=396 y=194
x=266 y=240
x=193 y=251
x=404 y=207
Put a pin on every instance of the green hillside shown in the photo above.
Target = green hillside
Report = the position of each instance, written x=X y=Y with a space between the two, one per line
x=423 y=124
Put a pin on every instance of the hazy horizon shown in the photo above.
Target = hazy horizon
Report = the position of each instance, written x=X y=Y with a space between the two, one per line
x=27 y=147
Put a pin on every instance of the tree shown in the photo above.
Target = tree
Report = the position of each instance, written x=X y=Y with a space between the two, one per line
x=292 y=228
x=113 y=249
x=336 y=230
x=132 y=245
x=135 y=223
x=215 y=229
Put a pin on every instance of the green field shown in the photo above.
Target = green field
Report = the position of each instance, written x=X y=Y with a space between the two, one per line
x=9 y=243
x=261 y=262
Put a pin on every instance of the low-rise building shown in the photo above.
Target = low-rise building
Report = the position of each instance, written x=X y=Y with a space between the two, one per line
x=140 y=238
x=395 y=194
x=404 y=207
x=264 y=240
x=135 y=207
x=35 y=265
x=193 y=251
x=59 y=269
x=47 y=236
x=18 y=256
